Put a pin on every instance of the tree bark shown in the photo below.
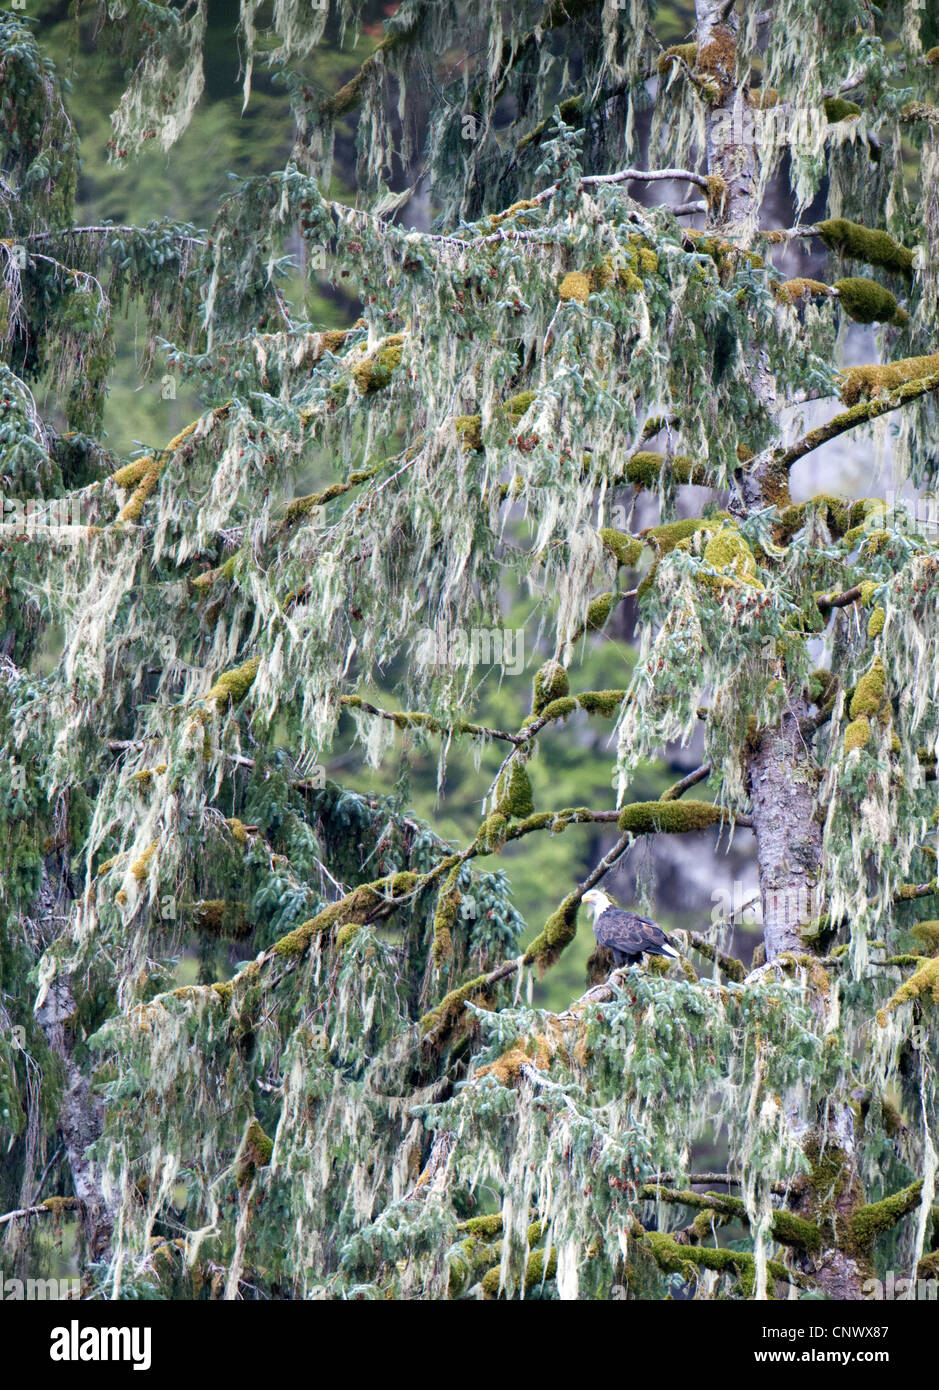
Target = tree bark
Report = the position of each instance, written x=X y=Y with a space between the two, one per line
x=81 y=1115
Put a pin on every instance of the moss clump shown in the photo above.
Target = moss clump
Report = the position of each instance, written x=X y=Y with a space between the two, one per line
x=574 y=286
x=515 y=797
x=598 y=610
x=666 y=537
x=869 y=696
x=221 y=918
x=872 y=1219
x=144 y=777
x=837 y=109
x=451 y=1006
x=867 y=244
x=678 y=53
x=645 y=467
x=484 y=1226
x=932 y=57
x=626 y=548
x=727 y=550
x=603 y=702
x=233 y=685
x=492 y=832
x=238 y=830
x=256 y=1153
x=448 y=908
x=559 y=709
x=857 y=734
x=469 y=428
x=348 y=932
x=837 y=514
x=373 y=373
x=867 y=380
x=558 y=932
x=800 y=288
x=354 y=906
x=875 y=623
x=928 y=934
x=867 y=302
x=924 y=981
x=141 y=867
x=551 y=683
x=671 y=817
x=518 y=405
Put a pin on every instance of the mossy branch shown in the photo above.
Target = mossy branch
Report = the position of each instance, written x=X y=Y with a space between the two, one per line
x=871 y=1220
x=786 y=1228
x=859 y=414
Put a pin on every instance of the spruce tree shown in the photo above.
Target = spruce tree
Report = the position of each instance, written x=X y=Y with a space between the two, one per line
x=370 y=1105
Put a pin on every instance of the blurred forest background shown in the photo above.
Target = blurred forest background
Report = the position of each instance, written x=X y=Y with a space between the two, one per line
x=678 y=880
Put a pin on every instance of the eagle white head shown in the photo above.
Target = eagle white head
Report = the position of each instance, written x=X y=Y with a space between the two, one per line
x=597 y=901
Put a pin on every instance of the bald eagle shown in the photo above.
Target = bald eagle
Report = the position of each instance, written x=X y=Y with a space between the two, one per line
x=628 y=935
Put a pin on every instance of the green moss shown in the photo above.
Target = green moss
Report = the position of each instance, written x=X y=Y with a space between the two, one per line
x=868 y=379
x=857 y=734
x=141 y=867
x=373 y=373
x=551 y=683
x=867 y=302
x=678 y=52
x=222 y=918
x=790 y=1229
x=348 y=909
x=875 y=623
x=835 y=509
x=871 y=1220
x=516 y=798
x=559 y=709
x=233 y=685
x=469 y=428
x=599 y=609
x=487 y=1226
x=445 y=917
x=519 y=404
x=475 y=990
x=870 y=692
x=558 y=932
x=928 y=933
x=932 y=57
x=644 y=468
x=727 y=550
x=837 y=109
x=492 y=832
x=626 y=548
x=540 y=1267
x=603 y=702
x=867 y=244
x=256 y=1153
x=671 y=817
x=666 y=537
x=574 y=286
x=924 y=981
